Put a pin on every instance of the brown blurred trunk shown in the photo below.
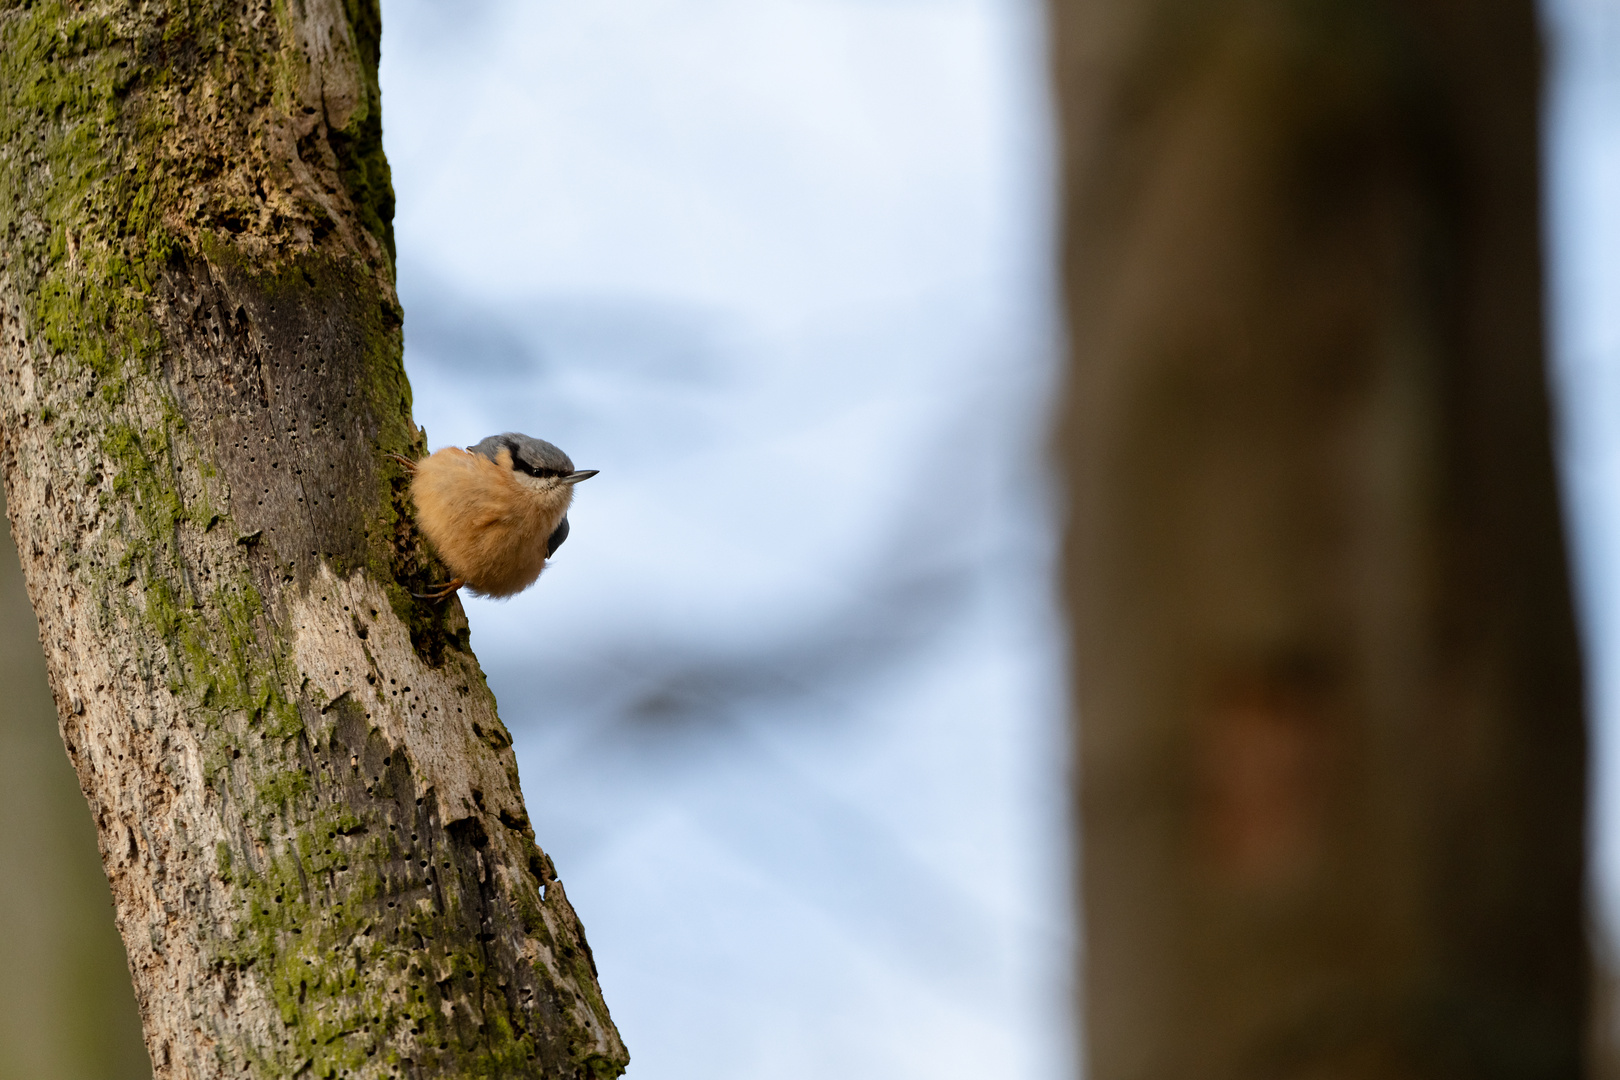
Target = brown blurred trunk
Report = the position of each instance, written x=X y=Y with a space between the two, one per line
x=66 y=1008
x=308 y=809
x=1331 y=745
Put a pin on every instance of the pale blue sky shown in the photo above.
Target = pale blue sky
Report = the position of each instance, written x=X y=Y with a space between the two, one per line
x=789 y=706
x=1583 y=247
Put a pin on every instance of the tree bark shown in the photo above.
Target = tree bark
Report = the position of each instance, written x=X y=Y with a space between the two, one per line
x=307 y=807
x=1331 y=746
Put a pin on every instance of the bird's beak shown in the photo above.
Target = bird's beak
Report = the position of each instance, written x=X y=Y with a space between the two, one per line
x=583 y=474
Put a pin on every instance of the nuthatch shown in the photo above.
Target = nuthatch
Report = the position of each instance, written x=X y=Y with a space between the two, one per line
x=495 y=512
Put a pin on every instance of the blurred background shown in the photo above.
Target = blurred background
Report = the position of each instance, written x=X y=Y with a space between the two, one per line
x=790 y=706
x=788 y=703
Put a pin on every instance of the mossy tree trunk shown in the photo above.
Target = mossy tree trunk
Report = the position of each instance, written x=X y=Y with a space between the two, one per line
x=1331 y=746
x=307 y=807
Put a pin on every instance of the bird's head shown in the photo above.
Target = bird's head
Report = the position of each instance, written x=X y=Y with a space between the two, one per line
x=537 y=464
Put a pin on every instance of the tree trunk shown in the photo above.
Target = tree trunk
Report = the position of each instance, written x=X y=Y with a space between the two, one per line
x=1331 y=747
x=307 y=807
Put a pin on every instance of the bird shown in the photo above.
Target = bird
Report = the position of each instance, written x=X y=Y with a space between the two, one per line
x=495 y=511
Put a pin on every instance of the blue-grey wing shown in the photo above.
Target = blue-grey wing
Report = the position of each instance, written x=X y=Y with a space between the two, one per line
x=558 y=535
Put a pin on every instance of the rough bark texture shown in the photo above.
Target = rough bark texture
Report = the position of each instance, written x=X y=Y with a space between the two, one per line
x=307 y=807
x=1331 y=737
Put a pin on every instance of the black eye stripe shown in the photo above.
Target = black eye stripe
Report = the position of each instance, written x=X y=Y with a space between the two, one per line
x=542 y=473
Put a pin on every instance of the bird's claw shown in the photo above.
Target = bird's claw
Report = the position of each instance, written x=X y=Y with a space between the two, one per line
x=441 y=591
x=410 y=466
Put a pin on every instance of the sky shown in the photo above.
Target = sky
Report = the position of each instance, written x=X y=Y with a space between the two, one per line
x=1582 y=132
x=789 y=705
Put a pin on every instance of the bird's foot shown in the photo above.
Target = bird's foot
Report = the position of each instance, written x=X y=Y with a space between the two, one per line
x=410 y=466
x=440 y=592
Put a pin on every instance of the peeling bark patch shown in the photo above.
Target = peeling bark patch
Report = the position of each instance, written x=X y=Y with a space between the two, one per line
x=336 y=641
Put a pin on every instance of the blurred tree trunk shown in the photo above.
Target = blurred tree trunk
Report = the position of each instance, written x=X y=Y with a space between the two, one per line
x=66 y=1010
x=1331 y=745
x=307 y=808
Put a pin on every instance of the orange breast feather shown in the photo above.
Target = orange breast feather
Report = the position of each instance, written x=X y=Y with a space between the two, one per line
x=486 y=526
